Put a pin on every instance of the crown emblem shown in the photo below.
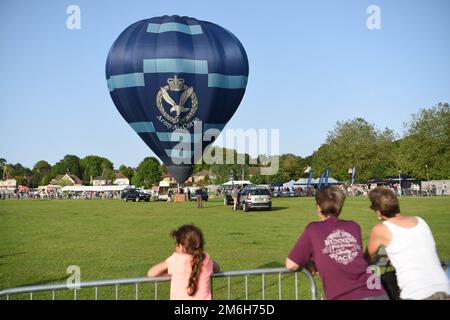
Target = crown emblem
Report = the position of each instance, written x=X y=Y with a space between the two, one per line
x=175 y=84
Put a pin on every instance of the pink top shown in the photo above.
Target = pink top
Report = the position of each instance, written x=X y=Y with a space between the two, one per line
x=179 y=267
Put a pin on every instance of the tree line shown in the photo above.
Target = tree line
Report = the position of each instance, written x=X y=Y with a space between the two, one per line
x=422 y=151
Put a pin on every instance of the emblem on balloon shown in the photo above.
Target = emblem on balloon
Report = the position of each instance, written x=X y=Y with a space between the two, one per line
x=178 y=113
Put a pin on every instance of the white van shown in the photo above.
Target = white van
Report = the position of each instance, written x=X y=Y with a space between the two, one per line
x=164 y=187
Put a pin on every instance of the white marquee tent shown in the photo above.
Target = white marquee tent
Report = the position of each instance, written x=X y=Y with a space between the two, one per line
x=94 y=188
x=304 y=181
x=290 y=184
x=237 y=182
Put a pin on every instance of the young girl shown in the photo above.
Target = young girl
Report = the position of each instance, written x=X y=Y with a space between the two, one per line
x=189 y=266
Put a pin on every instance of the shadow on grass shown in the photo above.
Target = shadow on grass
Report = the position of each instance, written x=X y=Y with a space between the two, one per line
x=272 y=264
x=45 y=281
x=11 y=255
x=219 y=204
x=279 y=208
x=264 y=210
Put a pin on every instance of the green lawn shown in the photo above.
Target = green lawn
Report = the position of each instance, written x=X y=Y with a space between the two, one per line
x=112 y=239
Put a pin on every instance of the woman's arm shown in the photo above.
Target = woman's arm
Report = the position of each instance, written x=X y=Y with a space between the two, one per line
x=376 y=239
x=159 y=269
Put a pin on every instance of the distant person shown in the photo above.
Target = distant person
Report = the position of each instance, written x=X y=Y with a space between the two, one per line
x=333 y=248
x=235 y=197
x=189 y=266
x=443 y=189
x=189 y=194
x=198 y=196
x=410 y=247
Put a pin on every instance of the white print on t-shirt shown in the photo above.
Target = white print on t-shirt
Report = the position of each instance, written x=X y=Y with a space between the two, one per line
x=341 y=246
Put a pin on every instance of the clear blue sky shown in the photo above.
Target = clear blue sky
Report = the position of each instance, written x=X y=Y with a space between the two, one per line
x=311 y=64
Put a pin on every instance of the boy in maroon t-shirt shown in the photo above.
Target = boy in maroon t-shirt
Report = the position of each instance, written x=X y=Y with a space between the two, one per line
x=334 y=246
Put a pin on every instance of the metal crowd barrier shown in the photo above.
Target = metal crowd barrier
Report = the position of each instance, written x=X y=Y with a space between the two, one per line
x=53 y=288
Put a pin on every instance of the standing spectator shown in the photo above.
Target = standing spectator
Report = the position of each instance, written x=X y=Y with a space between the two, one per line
x=334 y=247
x=416 y=189
x=234 y=196
x=443 y=189
x=189 y=194
x=410 y=247
x=198 y=196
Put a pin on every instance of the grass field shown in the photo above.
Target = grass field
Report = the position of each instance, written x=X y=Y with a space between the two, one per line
x=112 y=239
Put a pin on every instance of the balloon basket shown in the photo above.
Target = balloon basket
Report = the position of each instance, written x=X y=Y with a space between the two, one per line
x=179 y=197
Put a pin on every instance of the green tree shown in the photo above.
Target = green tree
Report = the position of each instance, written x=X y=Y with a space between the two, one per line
x=19 y=172
x=201 y=167
x=126 y=171
x=41 y=173
x=291 y=167
x=94 y=166
x=278 y=177
x=108 y=169
x=356 y=143
x=148 y=173
x=163 y=168
x=427 y=143
x=224 y=172
x=258 y=178
x=3 y=164
x=70 y=163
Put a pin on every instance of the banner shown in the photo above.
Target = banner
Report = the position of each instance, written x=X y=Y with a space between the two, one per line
x=327 y=175
x=321 y=180
x=353 y=175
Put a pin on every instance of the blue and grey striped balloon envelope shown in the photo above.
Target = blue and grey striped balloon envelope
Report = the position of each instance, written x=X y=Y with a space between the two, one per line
x=173 y=79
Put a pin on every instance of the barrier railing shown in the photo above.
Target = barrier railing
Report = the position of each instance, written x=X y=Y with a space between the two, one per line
x=116 y=283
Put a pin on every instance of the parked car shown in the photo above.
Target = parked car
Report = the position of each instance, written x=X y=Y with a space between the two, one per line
x=255 y=197
x=135 y=195
x=162 y=197
x=228 y=189
x=194 y=195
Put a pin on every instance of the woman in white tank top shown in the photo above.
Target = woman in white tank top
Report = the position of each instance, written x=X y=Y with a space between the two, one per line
x=410 y=246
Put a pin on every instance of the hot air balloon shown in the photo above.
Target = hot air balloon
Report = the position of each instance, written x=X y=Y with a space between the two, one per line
x=173 y=78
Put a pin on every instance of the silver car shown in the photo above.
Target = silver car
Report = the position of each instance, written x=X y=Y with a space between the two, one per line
x=255 y=197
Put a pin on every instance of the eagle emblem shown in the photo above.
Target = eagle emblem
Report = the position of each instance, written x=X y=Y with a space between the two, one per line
x=179 y=113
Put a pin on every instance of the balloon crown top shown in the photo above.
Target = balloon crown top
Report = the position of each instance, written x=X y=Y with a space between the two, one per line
x=175 y=16
x=175 y=84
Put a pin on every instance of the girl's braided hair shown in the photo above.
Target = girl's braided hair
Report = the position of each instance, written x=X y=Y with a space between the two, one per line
x=191 y=238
